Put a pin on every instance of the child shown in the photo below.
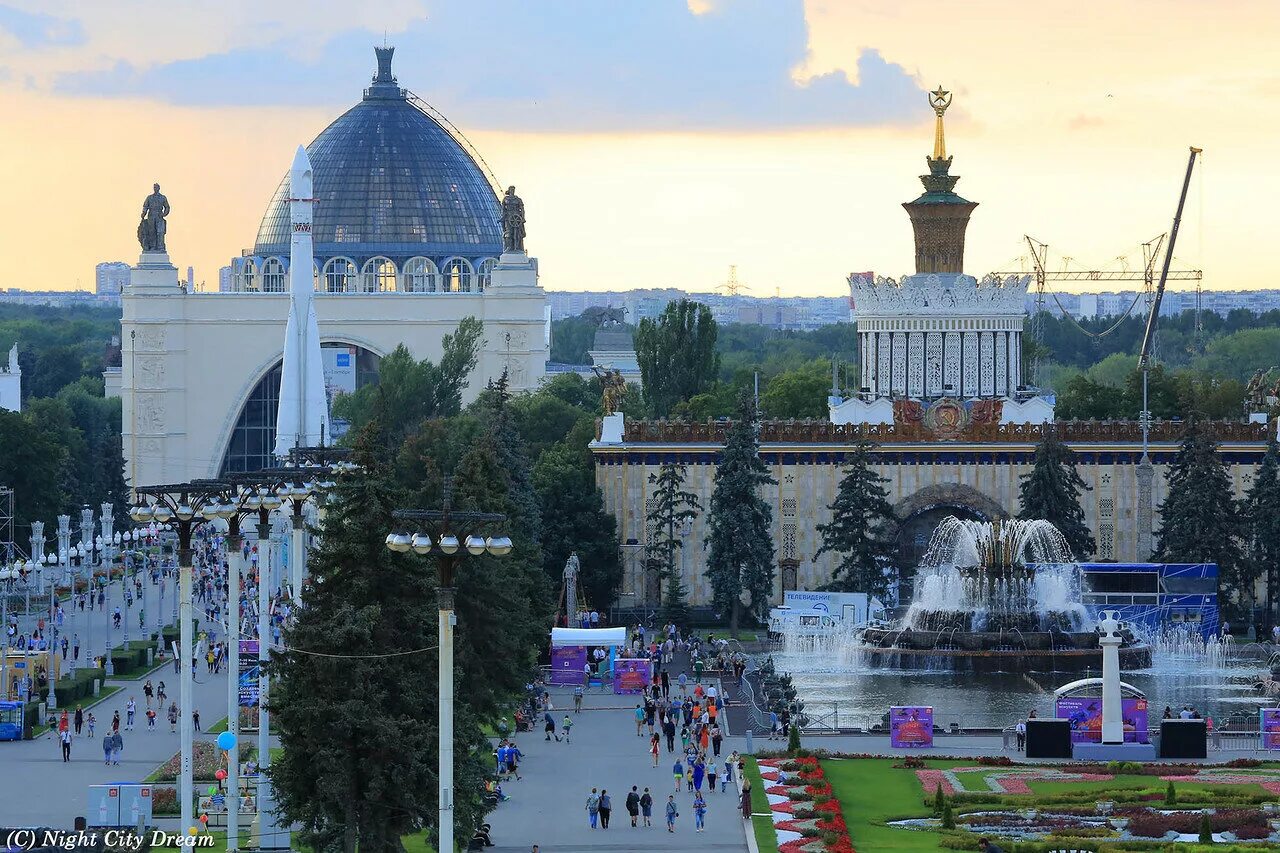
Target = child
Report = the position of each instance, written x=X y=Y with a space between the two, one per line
x=672 y=814
x=91 y=721
x=678 y=770
x=699 y=811
x=566 y=726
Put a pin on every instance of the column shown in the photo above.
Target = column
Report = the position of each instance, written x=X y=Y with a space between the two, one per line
x=915 y=364
x=899 y=344
x=969 y=365
x=1002 y=364
x=951 y=362
x=234 y=556
x=883 y=365
x=987 y=363
x=933 y=364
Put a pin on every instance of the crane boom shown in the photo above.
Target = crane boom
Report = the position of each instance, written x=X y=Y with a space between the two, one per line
x=1144 y=354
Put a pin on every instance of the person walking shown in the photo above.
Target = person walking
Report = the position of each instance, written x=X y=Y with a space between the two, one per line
x=173 y=717
x=151 y=719
x=699 y=770
x=65 y=738
x=149 y=692
x=646 y=807
x=79 y=719
x=106 y=749
x=115 y=722
x=639 y=720
x=195 y=718
x=654 y=748
x=160 y=697
x=92 y=722
x=669 y=732
x=565 y=726
x=716 y=737
x=606 y=808
x=672 y=813
x=593 y=807
x=633 y=805
x=117 y=746
x=550 y=726
x=577 y=699
x=677 y=770
x=130 y=708
x=711 y=777
x=699 y=812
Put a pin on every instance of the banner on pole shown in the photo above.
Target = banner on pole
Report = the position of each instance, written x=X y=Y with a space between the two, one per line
x=248 y=675
x=911 y=727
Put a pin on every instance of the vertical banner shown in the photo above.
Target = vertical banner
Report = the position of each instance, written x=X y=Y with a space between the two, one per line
x=911 y=727
x=1085 y=716
x=1270 y=727
x=567 y=663
x=631 y=675
x=248 y=675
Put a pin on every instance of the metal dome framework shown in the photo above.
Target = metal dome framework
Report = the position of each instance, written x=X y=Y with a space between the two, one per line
x=401 y=197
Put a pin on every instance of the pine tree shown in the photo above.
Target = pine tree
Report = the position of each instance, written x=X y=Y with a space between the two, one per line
x=677 y=355
x=673 y=508
x=740 y=562
x=859 y=527
x=1051 y=491
x=334 y=715
x=1262 y=517
x=1200 y=517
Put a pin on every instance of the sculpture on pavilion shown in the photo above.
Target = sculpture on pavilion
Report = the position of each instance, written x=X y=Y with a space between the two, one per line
x=614 y=388
x=152 y=228
x=512 y=222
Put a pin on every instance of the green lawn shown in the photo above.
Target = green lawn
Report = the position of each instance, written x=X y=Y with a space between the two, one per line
x=219 y=727
x=743 y=636
x=761 y=827
x=871 y=793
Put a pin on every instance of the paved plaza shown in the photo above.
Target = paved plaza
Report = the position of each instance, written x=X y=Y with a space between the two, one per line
x=38 y=788
x=548 y=806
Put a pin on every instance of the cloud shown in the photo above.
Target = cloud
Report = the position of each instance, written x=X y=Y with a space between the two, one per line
x=35 y=30
x=569 y=65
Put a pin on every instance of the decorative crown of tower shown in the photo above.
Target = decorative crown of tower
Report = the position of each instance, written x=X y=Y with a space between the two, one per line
x=939 y=217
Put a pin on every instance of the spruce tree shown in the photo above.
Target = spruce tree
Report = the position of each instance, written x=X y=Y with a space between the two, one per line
x=859 y=528
x=1051 y=491
x=1200 y=517
x=1262 y=517
x=673 y=508
x=740 y=562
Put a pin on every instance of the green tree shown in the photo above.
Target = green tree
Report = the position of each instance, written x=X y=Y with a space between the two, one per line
x=1262 y=520
x=1086 y=399
x=677 y=355
x=31 y=464
x=673 y=509
x=1051 y=491
x=349 y=694
x=859 y=530
x=1200 y=518
x=740 y=541
x=574 y=520
x=798 y=393
x=411 y=391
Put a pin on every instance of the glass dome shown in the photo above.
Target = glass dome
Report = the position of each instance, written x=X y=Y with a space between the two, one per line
x=390 y=181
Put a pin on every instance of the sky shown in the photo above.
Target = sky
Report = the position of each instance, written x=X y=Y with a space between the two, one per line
x=657 y=142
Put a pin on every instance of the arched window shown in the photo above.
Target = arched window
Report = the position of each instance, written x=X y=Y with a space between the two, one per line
x=378 y=275
x=420 y=276
x=273 y=276
x=339 y=275
x=249 y=275
x=457 y=276
x=484 y=274
x=316 y=279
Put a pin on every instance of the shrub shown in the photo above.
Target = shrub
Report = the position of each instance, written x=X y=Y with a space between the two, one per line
x=1206 y=829
x=1170 y=795
x=793 y=741
x=164 y=800
x=948 y=817
x=995 y=760
x=939 y=799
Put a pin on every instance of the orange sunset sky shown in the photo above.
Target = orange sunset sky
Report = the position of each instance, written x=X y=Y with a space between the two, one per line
x=656 y=142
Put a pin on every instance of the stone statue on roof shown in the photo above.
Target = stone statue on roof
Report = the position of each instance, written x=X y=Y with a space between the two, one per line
x=152 y=228
x=614 y=388
x=512 y=222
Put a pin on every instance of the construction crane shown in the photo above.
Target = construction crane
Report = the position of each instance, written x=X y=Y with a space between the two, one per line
x=1039 y=261
x=1144 y=353
x=732 y=287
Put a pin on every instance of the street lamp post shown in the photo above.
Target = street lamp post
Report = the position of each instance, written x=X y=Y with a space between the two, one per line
x=50 y=674
x=449 y=537
x=185 y=504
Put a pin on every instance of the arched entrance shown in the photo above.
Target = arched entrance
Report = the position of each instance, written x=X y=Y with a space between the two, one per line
x=253 y=438
x=920 y=514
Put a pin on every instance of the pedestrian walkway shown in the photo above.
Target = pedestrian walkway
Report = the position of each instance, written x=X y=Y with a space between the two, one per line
x=548 y=806
x=38 y=789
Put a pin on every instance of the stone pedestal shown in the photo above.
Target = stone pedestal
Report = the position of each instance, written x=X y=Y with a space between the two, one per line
x=1112 y=717
x=611 y=429
x=515 y=271
x=154 y=272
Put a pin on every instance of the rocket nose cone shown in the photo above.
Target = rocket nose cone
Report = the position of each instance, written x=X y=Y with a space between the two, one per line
x=301 y=160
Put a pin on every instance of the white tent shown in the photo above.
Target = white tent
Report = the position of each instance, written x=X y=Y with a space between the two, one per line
x=562 y=637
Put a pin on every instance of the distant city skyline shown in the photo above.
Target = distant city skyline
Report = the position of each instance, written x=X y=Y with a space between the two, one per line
x=775 y=135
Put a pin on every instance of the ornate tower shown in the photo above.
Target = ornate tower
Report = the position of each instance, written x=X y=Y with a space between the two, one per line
x=939 y=217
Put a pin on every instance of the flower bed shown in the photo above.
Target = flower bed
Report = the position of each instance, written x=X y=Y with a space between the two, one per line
x=809 y=819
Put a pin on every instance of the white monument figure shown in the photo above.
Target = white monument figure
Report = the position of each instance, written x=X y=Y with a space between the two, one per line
x=1112 y=715
x=303 y=417
x=571 y=589
x=11 y=383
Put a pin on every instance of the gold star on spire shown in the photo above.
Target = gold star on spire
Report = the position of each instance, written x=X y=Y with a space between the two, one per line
x=939 y=99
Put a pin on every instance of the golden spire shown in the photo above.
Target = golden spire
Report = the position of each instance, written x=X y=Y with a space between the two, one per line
x=939 y=99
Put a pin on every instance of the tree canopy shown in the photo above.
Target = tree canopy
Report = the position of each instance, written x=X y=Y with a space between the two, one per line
x=677 y=355
x=1051 y=490
x=860 y=527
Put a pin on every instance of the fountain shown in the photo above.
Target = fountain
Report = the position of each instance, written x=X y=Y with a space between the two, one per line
x=996 y=596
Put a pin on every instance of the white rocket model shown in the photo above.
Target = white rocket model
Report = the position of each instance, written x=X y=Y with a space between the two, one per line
x=303 y=418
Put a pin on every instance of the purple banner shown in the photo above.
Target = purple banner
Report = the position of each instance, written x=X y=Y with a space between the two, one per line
x=1085 y=714
x=911 y=727
x=248 y=674
x=567 y=663
x=1270 y=727
x=631 y=675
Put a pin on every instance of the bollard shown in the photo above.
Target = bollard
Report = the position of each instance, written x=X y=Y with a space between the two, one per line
x=750 y=749
x=97 y=686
